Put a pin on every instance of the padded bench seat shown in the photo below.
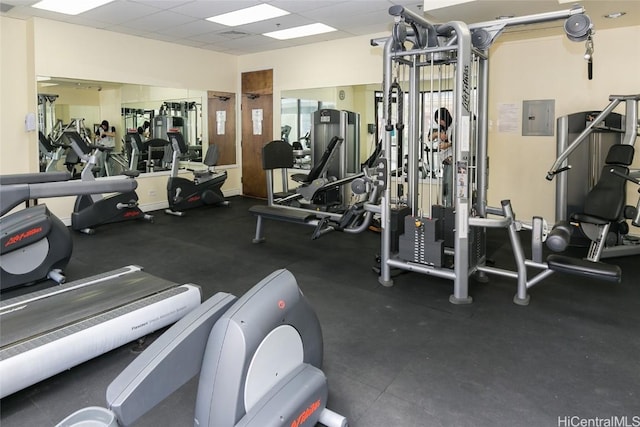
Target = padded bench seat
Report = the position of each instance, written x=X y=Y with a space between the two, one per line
x=585 y=268
x=282 y=214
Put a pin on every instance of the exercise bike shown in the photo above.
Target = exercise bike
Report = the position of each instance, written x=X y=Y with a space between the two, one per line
x=204 y=189
x=93 y=210
x=35 y=244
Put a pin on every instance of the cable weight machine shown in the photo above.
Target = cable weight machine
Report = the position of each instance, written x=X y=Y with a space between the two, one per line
x=449 y=241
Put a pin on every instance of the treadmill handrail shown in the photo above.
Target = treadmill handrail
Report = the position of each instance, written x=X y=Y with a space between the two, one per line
x=12 y=195
x=34 y=178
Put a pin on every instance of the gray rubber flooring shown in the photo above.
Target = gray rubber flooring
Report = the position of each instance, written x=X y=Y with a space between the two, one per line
x=399 y=356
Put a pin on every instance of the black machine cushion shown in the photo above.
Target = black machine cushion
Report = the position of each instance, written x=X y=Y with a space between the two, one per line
x=585 y=268
x=180 y=140
x=72 y=136
x=620 y=154
x=321 y=165
x=211 y=157
x=607 y=198
x=277 y=154
x=282 y=214
x=46 y=142
x=134 y=137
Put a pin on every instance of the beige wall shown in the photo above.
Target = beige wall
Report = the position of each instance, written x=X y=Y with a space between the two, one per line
x=337 y=64
x=49 y=48
x=551 y=68
x=541 y=68
x=18 y=148
x=544 y=68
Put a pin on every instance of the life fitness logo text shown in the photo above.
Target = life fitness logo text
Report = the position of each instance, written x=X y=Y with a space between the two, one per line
x=18 y=237
x=304 y=415
x=194 y=198
x=131 y=214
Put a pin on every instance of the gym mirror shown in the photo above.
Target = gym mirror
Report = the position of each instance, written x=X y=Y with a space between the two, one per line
x=149 y=110
x=298 y=106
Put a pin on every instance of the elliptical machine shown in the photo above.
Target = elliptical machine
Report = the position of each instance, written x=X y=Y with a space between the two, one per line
x=258 y=358
x=93 y=210
x=35 y=244
x=204 y=189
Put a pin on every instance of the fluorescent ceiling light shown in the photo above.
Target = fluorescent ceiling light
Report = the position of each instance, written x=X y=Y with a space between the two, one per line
x=302 y=31
x=257 y=13
x=69 y=7
x=439 y=4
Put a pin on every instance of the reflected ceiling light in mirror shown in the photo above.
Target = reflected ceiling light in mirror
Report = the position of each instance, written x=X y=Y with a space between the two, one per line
x=302 y=31
x=69 y=7
x=257 y=13
x=614 y=15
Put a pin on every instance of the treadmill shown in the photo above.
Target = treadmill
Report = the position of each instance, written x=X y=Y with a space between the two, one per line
x=52 y=330
x=46 y=332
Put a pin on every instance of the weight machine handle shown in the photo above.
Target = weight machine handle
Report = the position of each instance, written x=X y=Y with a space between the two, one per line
x=551 y=174
x=625 y=176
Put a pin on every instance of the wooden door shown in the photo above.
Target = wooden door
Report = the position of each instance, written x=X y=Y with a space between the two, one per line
x=254 y=136
x=257 y=129
x=222 y=125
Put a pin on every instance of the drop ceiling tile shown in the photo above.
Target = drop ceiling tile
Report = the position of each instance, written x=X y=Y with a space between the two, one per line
x=192 y=28
x=163 y=4
x=118 y=12
x=206 y=9
x=158 y=21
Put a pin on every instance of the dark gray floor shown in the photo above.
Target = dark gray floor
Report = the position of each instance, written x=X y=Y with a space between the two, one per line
x=400 y=356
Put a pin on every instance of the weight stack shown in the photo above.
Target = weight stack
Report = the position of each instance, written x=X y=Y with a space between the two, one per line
x=421 y=242
x=397 y=220
x=446 y=225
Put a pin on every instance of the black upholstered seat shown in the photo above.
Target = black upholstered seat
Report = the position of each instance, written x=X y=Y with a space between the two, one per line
x=606 y=200
x=320 y=167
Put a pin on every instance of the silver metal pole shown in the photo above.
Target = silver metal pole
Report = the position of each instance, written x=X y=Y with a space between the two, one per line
x=385 y=200
x=483 y=131
x=460 y=159
x=576 y=142
x=561 y=182
x=529 y=19
x=413 y=138
x=631 y=117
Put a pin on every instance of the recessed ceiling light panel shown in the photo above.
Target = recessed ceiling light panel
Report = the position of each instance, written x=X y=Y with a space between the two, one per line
x=439 y=4
x=302 y=31
x=69 y=7
x=261 y=12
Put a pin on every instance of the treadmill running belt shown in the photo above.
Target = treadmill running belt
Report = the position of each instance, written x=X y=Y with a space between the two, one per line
x=46 y=314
